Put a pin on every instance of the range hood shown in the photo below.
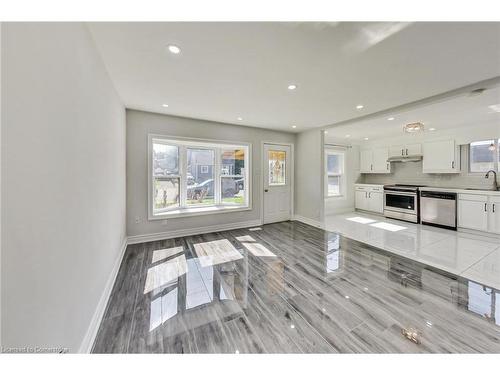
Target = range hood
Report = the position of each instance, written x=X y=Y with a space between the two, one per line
x=404 y=159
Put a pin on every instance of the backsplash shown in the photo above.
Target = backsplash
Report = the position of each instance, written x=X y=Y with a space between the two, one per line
x=411 y=173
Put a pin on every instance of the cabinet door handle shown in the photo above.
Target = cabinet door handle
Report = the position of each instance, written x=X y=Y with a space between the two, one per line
x=387 y=166
x=493 y=207
x=402 y=152
x=406 y=152
x=453 y=164
x=486 y=207
x=371 y=167
x=370 y=194
x=366 y=194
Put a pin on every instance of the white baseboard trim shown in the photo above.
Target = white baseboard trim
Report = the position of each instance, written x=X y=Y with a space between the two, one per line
x=88 y=340
x=306 y=220
x=191 y=231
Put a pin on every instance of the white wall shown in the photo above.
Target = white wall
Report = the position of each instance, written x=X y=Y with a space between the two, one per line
x=140 y=124
x=63 y=183
x=309 y=197
x=345 y=203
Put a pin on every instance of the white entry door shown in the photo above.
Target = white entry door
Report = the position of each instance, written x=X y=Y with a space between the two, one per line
x=277 y=182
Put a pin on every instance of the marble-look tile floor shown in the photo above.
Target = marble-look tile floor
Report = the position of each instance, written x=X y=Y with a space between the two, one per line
x=475 y=257
x=290 y=288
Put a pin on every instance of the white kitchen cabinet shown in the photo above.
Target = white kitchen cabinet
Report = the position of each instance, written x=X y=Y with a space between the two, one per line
x=405 y=150
x=369 y=198
x=380 y=163
x=376 y=202
x=473 y=212
x=374 y=160
x=366 y=161
x=494 y=214
x=361 y=200
x=441 y=157
x=413 y=149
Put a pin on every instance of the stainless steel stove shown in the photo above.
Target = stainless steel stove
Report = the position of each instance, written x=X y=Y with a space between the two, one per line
x=402 y=202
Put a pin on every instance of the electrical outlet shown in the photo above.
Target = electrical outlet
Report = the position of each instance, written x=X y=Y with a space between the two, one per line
x=137 y=220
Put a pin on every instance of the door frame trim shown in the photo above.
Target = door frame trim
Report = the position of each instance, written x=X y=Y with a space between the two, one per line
x=292 y=177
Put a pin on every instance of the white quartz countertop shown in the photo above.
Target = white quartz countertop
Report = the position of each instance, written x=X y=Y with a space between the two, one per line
x=461 y=191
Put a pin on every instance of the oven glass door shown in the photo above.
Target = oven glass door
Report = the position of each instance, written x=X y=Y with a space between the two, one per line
x=400 y=201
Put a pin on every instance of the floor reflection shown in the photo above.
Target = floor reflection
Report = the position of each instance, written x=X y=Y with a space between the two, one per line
x=236 y=290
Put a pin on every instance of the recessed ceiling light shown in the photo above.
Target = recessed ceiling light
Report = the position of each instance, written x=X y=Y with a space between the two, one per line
x=359 y=106
x=366 y=138
x=292 y=87
x=347 y=135
x=390 y=119
x=240 y=118
x=292 y=326
x=432 y=129
x=174 y=49
x=165 y=105
x=326 y=131
x=294 y=126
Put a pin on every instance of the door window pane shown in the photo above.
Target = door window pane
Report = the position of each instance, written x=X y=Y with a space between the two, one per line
x=333 y=185
x=277 y=166
x=166 y=193
x=481 y=158
x=165 y=160
x=200 y=176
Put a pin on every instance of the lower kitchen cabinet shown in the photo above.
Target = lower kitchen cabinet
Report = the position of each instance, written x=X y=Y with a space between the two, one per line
x=494 y=215
x=473 y=214
x=369 y=198
x=479 y=212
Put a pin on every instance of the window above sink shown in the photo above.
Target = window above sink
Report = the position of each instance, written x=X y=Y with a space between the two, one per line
x=484 y=156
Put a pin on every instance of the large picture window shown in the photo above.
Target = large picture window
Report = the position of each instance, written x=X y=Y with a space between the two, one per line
x=193 y=176
x=484 y=156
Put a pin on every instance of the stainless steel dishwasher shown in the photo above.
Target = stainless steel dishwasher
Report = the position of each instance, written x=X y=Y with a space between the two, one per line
x=438 y=209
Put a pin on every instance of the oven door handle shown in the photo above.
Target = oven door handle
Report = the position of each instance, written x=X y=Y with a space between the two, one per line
x=400 y=193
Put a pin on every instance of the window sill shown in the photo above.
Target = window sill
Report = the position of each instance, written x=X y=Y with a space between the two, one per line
x=198 y=211
x=334 y=196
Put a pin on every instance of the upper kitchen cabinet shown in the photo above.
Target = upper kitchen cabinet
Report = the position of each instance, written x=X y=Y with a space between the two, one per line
x=441 y=157
x=375 y=160
x=413 y=149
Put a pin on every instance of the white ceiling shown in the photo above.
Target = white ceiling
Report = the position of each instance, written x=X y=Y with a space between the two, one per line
x=228 y=70
x=456 y=112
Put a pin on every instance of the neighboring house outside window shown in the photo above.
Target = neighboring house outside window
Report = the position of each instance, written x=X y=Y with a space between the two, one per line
x=334 y=174
x=191 y=176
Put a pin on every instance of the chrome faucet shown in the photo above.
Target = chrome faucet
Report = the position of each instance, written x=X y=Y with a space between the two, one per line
x=495 y=184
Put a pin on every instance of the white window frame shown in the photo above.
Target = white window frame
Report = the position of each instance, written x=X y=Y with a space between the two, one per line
x=497 y=162
x=203 y=209
x=342 y=175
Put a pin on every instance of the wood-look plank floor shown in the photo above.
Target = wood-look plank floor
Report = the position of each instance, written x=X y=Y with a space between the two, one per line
x=290 y=288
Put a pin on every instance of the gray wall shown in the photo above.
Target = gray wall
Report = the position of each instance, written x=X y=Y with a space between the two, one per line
x=140 y=124
x=309 y=180
x=411 y=173
x=63 y=183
